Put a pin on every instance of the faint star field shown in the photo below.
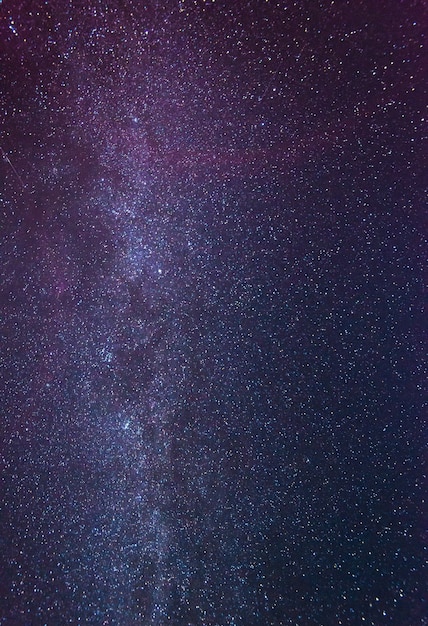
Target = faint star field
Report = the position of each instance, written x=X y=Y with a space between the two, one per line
x=212 y=355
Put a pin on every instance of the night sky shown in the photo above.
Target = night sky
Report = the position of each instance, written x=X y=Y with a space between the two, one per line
x=211 y=219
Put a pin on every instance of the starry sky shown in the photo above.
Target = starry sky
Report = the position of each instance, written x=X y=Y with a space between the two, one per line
x=211 y=312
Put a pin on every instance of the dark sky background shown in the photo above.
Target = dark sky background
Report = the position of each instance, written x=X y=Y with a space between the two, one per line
x=211 y=327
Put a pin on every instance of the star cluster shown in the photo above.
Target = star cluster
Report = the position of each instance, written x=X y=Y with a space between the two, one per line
x=212 y=330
